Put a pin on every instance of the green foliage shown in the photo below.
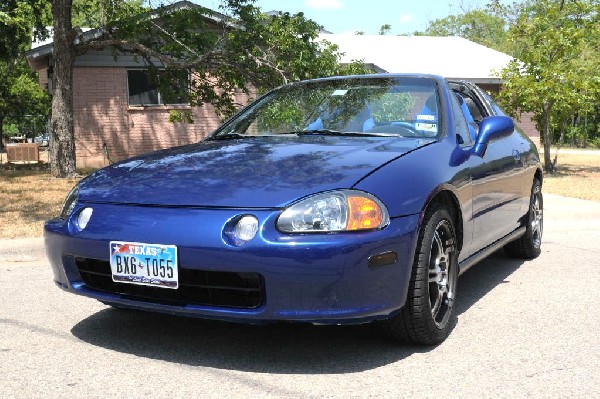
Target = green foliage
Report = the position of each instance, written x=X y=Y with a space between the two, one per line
x=557 y=75
x=10 y=129
x=181 y=116
x=18 y=19
x=355 y=67
x=385 y=29
x=486 y=26
x=290 y=44
x=96 y=13
x=24 y=106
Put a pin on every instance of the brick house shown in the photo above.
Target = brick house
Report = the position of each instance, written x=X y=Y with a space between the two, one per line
x=119 y=114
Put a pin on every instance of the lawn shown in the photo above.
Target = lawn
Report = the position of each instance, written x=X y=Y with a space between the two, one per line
x=577 y=175
x=28 y=198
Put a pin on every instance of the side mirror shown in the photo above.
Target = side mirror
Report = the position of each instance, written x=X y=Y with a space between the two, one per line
x=492 y=128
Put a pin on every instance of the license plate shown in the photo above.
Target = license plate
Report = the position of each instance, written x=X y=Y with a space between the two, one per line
x=144 y=264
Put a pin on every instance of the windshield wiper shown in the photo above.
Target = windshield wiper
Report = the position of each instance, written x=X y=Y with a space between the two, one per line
x=228 y=136
x=328 y=132
x=311 y=132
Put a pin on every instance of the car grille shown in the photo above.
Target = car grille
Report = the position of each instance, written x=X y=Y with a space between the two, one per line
x=196 y=287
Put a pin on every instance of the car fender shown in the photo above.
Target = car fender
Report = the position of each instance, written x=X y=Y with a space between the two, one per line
x=410 y=183
x=407 y=184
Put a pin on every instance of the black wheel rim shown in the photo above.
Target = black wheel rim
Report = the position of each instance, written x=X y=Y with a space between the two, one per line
x=442 y=276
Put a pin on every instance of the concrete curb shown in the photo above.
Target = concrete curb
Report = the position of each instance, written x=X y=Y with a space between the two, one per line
x=22 y=250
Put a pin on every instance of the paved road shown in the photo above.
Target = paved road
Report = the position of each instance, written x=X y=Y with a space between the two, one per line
x=525 y=329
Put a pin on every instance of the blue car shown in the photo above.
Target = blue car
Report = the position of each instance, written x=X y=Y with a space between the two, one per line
x=330 y=201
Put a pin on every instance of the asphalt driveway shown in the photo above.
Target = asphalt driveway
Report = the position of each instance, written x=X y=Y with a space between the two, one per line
x=525 y=329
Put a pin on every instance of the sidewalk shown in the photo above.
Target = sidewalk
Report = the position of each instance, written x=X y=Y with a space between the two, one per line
x=575 y=151
x=22 y=250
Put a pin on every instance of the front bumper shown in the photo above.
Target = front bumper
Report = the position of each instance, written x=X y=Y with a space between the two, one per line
x=318 y=278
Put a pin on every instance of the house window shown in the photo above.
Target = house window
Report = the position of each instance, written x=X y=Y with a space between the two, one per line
x=143 y=91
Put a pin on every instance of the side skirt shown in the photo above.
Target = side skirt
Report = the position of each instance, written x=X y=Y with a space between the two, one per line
x=487 y=251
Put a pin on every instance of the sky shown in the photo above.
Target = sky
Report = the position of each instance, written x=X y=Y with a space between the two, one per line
x=349 y=16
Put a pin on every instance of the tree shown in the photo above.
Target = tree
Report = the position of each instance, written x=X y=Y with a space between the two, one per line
x=20 y=93
x=385 y=29
x=18 y=18
x=547 y=77
x=486 y=26
x=95 y=13
x=249 y=49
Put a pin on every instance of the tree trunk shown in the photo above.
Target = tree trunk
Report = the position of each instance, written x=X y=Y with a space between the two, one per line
x=1 y=133
x=62 y=151
x=548 y=166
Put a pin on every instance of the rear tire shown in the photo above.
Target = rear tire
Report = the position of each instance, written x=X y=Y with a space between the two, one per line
x=529 y=245
x=427 y=317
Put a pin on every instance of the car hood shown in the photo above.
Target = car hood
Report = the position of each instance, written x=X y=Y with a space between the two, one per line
x=255 y=172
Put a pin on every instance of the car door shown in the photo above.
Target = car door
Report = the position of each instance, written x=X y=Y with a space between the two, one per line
x=497 y=178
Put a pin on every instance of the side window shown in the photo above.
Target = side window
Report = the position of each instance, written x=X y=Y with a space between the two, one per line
x=477 y=113
x=460 y=120
x=473 y=111
x=494 y=105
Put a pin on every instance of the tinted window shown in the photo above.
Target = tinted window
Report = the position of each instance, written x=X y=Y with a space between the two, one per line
x=143 y=91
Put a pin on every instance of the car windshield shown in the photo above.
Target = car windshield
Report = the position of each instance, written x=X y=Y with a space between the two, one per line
x=383 y=106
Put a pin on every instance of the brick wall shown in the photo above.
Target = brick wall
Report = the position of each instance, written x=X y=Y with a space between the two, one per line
x=102 y=116
x=43 y=78
x=527 y=125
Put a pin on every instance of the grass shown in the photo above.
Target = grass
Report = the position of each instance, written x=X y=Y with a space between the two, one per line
x=577 y=175
x=28 y=198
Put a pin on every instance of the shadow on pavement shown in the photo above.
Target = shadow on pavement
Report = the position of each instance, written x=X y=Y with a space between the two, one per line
x=272 y=348
x=484 y=277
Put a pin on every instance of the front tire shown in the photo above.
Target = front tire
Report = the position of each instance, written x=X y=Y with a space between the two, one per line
x=426 y=318
x=529 y=246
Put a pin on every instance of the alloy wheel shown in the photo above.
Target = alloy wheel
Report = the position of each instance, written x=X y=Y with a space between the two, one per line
x=442 y=279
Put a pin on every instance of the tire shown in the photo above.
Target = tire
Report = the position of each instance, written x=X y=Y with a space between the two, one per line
x=529 y=245
x=427 y=316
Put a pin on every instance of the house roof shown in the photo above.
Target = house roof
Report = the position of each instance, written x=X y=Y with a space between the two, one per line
x=452 y=57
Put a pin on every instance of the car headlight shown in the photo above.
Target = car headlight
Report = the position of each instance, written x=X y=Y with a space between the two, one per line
x=344 y=210
x=70 y=203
